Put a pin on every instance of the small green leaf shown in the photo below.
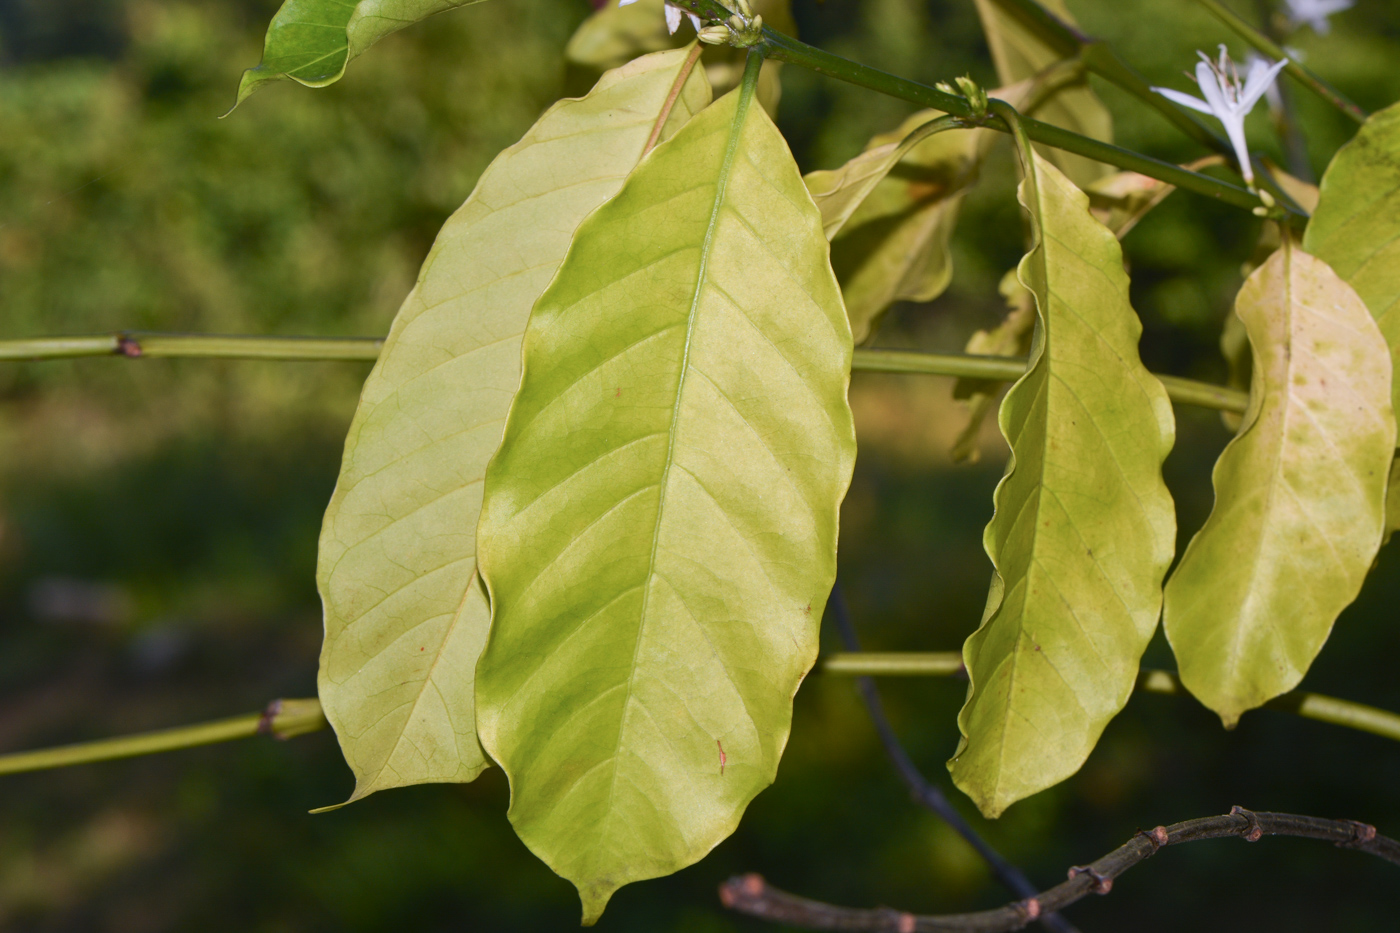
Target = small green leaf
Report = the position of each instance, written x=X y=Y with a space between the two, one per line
x=1084 y=527
x=659 y=530
x=311 y=41
x=405 y=613
x=1020 y=54
x=1356 y=227
x=1299 y=493
x=1012 y=337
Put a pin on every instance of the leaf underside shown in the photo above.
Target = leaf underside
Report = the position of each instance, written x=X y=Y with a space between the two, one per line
x=1299 y=493
x=1356 y=226
x=312 y=41
x=659 y=530
x=405 y=614
x=1084 y=527
x=1019 y=54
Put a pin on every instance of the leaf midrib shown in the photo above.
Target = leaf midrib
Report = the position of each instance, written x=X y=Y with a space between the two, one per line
x=721 y=190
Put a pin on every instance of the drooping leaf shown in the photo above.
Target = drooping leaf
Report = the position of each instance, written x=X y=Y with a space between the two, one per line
x=1084 y=527
x=613 y=35
x=1356 y=227
x=659 y=530
x=405 y=614
x=311 y=41
x=1012 y=337
x=891 y=217
x=891 y=210
x=1020 y=54
x=1299 y=493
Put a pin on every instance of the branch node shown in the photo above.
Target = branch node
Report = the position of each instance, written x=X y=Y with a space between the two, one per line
x=1256 y=832
x=1156 y=837
x=1029 y=909
x=746 y=888
x=274 y=709
x=1361 y=834
x=907 y=923
x=128 y=346
x=1102 y=883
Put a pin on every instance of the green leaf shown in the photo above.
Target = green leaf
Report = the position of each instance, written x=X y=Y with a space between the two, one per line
x=1299 y=493
x=1020 y=54
x=659 y=531
x=1356 y=227
x=311 y=41
x=1084 y=527
x=405 y=614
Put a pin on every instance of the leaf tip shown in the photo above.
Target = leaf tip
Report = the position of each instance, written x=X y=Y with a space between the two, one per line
x=595 y=897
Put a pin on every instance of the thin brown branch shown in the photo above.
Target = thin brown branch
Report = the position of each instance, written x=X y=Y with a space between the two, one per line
x=676 y=87
x=750 y=894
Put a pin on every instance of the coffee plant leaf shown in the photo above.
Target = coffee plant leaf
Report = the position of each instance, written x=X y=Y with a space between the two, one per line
x=1299 y=493
x=312 y=41
x=1018 y=54
x=1356 y=226
x=405 y=615
x=1084 y=526
x=659 y=530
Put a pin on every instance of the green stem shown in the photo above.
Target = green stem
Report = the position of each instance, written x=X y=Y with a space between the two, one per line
x=1271 y=48
x=210 y=346
x=1314 y=706
x=282 y=719
x=784 y=48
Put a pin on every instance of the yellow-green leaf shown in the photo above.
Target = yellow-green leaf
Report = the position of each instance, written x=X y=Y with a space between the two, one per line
x=1299 y=493
x=1356 y=227
x=659 y=531
x=405 y=614
x=311 y=41
x=1084 y=528
x=1020 y=54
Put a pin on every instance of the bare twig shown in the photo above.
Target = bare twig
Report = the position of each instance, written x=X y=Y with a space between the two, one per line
x=750 y=894
x=922 y=792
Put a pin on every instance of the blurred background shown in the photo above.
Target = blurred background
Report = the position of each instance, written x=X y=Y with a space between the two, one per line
x=158 y=519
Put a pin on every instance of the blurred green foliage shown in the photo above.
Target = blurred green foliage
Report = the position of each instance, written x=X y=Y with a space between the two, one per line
x=158 y=518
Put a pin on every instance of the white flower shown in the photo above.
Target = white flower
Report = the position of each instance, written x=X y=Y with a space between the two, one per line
x=673 y=16
x=1228 y=99
x=1314 y=13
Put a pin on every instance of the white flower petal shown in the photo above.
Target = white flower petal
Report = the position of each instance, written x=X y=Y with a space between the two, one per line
x=1216 y=98
x=673 y=18
x=622 y=3
x=1261 y=77
x=695 y=21
x=1185 y=100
